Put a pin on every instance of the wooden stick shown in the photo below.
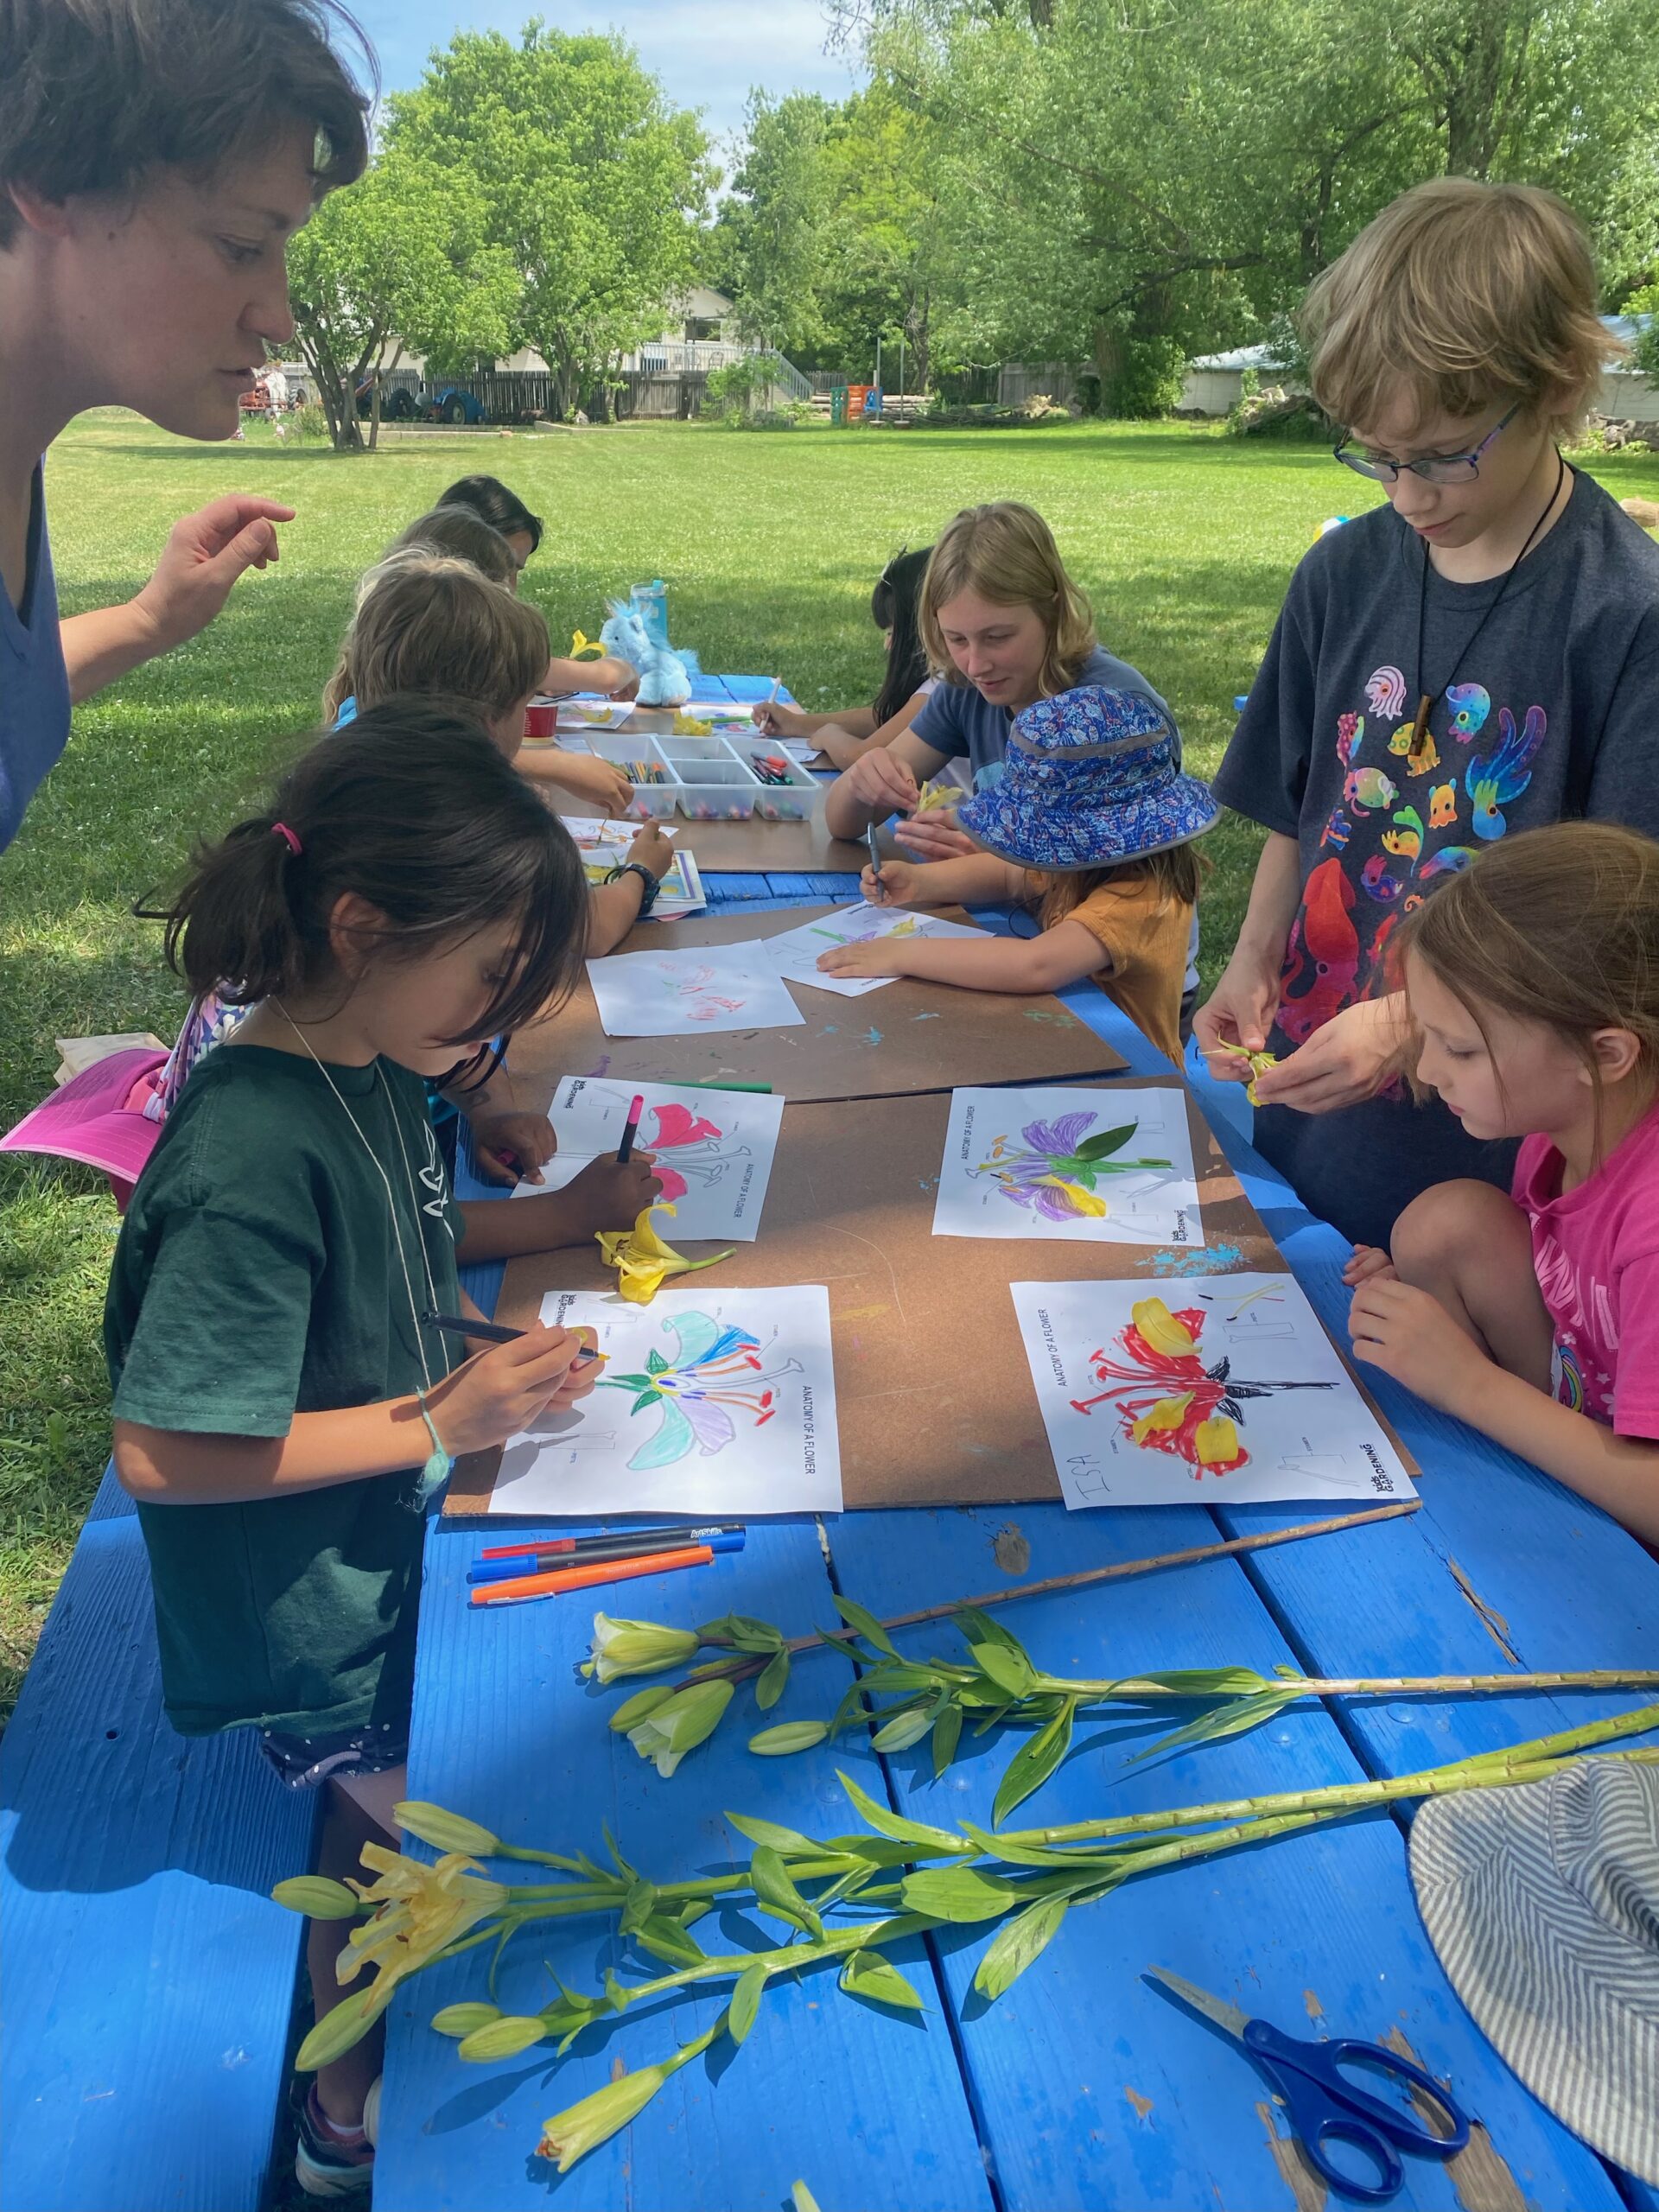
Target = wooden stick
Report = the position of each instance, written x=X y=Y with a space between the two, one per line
x=1231 y=1548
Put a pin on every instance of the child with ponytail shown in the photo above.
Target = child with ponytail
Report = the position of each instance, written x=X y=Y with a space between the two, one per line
x=284 y=1410
x=1532 y=985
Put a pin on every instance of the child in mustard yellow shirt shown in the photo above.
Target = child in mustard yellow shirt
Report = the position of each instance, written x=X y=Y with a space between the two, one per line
x=1090 y=824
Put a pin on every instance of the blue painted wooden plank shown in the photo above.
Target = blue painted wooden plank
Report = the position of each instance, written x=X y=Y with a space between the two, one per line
x=869 y=2109
x=150 y=1979
x=1570 y=1588
x=736 y=890
x=1093 y=2089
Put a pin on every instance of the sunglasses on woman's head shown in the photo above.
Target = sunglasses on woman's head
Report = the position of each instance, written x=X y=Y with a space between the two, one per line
x=1433 y=468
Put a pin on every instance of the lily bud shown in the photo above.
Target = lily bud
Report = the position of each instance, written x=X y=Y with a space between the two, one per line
x=639 y=1647
x=443 y=1830
x=571 y=2134
x=678 y=1726
x=317 y=1897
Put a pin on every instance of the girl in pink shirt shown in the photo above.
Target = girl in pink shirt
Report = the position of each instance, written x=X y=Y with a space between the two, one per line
x=1532 y=980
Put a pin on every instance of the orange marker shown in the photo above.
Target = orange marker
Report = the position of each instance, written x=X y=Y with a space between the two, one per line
x=558 y=1579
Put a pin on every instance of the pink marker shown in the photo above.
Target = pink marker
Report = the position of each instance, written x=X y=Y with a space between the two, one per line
x=632 y=1131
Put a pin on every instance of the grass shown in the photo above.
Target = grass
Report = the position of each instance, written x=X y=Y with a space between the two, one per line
x=1184 y=539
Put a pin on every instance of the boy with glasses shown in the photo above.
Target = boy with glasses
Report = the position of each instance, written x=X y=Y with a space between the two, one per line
x=1478 y=655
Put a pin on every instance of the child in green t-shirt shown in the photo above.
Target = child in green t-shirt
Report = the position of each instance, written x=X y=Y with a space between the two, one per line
x=283 y=1412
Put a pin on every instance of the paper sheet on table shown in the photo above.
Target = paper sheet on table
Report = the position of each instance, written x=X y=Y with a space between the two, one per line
x=604 y=845
x=1225 y=1390
x=705 y=988
x=794 y=953
x=711 y=1405
x=592 y=710
x=1081 y=1167
x=714 y=1148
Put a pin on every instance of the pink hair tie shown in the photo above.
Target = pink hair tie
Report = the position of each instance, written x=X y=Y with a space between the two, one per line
x=281 y=829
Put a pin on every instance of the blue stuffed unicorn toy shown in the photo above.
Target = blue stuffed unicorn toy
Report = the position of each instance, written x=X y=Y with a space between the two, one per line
x=634 y=637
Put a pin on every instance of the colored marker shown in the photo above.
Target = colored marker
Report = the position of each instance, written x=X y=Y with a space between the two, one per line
x=496 y=1332
x=721 y=1082
x=661 y=1535
x=562 y=1579
x=876 y=861
x=551 y=1559
x=631 y=1131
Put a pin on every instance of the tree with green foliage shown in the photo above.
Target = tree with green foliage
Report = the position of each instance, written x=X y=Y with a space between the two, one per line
x=589 y=181
x=1129 y=181
x=831 y=237
x=399 y=257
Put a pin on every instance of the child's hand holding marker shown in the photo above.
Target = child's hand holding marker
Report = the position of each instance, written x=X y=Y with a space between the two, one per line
x=889 y=883
x=513 y=1148
x=653 y=849
x=501 y=1391
x=610 y=1194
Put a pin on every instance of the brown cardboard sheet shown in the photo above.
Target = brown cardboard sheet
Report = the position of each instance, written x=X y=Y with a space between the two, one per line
x=934 y=1400
x=907 y=1037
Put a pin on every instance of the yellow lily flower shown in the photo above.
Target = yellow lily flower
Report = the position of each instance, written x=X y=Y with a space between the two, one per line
x=1168 y=1413
x=421 y=1908
x=691 y=725
x=1216 y=1440
x=583 y=648
x=1260 y=1063
x=1158 y=1327
x=1089 y=1203
x=643 y=1263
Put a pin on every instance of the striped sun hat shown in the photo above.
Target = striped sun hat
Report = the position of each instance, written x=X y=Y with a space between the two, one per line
x=1543 y=1904
x=1092 y=776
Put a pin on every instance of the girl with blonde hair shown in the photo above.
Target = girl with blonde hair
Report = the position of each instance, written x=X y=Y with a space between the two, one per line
x=1006 y=626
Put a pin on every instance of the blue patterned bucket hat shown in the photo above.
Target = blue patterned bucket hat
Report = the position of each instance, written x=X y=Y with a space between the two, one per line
x=1092 y=776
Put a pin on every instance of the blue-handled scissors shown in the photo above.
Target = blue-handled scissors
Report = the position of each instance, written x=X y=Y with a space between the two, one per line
x=1324 y=2106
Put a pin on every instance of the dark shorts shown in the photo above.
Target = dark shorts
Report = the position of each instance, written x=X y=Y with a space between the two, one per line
x=307 y=1761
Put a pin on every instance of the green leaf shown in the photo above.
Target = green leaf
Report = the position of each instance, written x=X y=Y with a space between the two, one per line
x=947 y=1733
x=978 y=1627
x=638 y=1906
x=868 y=1974
x=627 y=1872
x=908 y=1726
x=888 y=1675
x=1018 y=1944
x=861 y=1618
x=777 y=1894
x=894 y=1824
x=1011 y=1671
x=773 y=1681
x=666 y=1938
x=1234 y=1719
x=959 y=1893
x=655 y=1363
x=1035 y=1761
x=1029 y=1854
x=748 y=1634
x=789 y=1735
x=746 y=2001
x=1096 y=1148
x=787 y=1841
x=1195 y=1682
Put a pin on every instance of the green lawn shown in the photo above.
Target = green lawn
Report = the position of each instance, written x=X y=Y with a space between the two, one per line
x=1183 y=538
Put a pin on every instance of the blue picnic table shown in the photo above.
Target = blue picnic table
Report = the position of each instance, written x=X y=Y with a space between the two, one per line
x=1083 y=2086
x=150 y=1977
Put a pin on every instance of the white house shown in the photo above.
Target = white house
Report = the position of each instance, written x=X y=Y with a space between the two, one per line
x=1214 y=380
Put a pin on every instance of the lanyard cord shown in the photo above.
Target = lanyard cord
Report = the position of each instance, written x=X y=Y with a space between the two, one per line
x=1427 y=701
x=391 y=1203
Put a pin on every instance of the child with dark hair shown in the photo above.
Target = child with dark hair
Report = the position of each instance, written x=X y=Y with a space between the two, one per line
x=283 y=1411
x=155 y=155
x=907 y=686
x=507 y=515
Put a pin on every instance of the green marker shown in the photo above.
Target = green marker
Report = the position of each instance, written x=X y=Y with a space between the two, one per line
x=720 y=1083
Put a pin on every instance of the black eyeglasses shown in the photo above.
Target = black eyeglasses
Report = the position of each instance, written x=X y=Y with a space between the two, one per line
x=1436 y=468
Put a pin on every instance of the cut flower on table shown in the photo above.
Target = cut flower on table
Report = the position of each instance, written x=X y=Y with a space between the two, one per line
x=643 y=1263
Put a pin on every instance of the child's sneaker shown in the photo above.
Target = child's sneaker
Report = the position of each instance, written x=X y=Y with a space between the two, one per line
x=330 y=2161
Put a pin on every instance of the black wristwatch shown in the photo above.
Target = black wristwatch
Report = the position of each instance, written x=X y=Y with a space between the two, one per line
x=648 y=898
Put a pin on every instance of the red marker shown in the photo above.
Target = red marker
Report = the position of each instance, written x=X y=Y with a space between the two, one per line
x=632 y=1131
